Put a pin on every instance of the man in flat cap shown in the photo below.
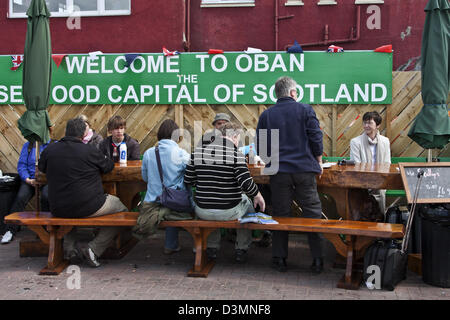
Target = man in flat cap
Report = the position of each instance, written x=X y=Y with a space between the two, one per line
x=219 y=120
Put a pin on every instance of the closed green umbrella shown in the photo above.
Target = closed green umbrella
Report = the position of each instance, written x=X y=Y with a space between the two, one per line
x=37 y=68
x=431 y=128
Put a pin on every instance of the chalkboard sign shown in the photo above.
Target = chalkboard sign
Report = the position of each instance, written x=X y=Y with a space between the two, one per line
x=435 y=184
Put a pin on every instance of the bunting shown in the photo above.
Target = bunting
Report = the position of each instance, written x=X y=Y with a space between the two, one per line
x=215 y=51
x=169 y=53
x=296 y=48
x=386 y=48
x=58 y=58
x=16 y=61
x=130 y=57
x=334 y=48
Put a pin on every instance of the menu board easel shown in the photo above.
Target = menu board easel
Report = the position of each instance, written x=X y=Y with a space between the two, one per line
x=435 y=184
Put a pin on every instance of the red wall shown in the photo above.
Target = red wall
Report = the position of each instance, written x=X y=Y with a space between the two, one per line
x=156 y=23
x=238 y=28
x=151 y=25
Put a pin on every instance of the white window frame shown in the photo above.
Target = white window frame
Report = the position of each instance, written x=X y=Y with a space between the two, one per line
x=227 y=3
x=292 y=3
x=326 y=2
x=70 y=12
x=369 y=1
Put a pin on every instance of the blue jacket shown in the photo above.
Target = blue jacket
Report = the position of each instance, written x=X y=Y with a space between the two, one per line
x=173 y=163
x=26 y=164
x=300 y=137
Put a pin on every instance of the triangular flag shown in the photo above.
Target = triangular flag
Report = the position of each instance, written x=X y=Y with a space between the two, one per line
x=215 y=51
x=386 y=48
x=16 y=61
x=169 y=53
x=296 y=48
x=58 y=58
x=334 y=48
x=130 y=57
x=93 y=55
x=252 y=50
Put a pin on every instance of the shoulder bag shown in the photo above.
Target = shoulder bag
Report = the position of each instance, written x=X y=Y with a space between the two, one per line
x=175 y=199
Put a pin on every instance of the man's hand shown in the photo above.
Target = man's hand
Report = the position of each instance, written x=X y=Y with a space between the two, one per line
x=259 y=200
x=319 y=159
x=29 y=181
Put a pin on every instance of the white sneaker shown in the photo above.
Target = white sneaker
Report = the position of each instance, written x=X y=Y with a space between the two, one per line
x=7 y=237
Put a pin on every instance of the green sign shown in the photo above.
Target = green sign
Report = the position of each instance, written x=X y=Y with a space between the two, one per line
x=351 y=77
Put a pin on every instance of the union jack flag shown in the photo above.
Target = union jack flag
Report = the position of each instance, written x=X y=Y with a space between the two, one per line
x=169 y=53
x=334 y=48
x=17 y=61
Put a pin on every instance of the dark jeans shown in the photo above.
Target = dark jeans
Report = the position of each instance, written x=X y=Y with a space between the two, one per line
x=24 y=195
x=303 y=188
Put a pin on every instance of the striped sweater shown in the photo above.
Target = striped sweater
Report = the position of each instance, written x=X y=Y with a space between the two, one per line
x=220 y=175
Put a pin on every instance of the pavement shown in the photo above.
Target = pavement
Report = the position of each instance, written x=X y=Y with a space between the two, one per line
x=147 y=273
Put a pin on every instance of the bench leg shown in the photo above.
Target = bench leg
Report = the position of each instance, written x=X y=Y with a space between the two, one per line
x=202 y=266
x=352 y=278
x=56 y=263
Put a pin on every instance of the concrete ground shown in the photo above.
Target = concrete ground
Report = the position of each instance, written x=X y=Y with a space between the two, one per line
x=146 y=273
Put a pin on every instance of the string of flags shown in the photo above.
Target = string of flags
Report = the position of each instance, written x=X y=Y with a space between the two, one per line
x=17 y=60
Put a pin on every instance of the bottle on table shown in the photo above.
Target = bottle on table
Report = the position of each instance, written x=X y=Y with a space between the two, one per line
x=251 y=155
x=123 y=152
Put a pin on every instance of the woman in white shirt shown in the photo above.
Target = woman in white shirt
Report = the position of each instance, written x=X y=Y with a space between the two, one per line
x=372 y=147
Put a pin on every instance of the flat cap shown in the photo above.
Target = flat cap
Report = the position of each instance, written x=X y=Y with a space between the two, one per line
x=221 y=116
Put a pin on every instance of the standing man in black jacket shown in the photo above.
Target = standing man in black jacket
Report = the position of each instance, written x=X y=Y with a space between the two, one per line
x=299 y=152
x=73 y=171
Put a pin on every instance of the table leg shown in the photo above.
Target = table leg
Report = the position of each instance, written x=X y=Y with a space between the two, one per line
x=352 y=277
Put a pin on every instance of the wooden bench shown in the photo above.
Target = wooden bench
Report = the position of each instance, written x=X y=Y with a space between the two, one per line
x=51 y=231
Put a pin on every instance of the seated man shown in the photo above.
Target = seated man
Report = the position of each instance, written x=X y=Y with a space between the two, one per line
x=26 y=169
x=75 y=188
x=223 y=187
x=110 y=146
x=210 y=135
x=372 y=147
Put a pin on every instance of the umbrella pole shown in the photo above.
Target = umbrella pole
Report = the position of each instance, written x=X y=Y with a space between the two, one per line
x=430 y=155
x=36 y=185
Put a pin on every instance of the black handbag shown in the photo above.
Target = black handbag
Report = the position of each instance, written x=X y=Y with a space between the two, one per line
x=175 y=199
x=388 y=255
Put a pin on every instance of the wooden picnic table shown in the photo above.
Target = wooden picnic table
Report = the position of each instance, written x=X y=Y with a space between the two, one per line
x=341 y=181
x=344 y=184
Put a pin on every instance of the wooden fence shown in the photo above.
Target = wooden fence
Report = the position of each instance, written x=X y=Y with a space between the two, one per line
x=339 y=123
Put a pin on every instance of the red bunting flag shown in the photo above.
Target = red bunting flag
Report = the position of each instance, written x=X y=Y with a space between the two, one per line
x=16 y=61
x=215 y=51
x=58 y=58
x=169 y=53
x=334 y=48
x=386 y=48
